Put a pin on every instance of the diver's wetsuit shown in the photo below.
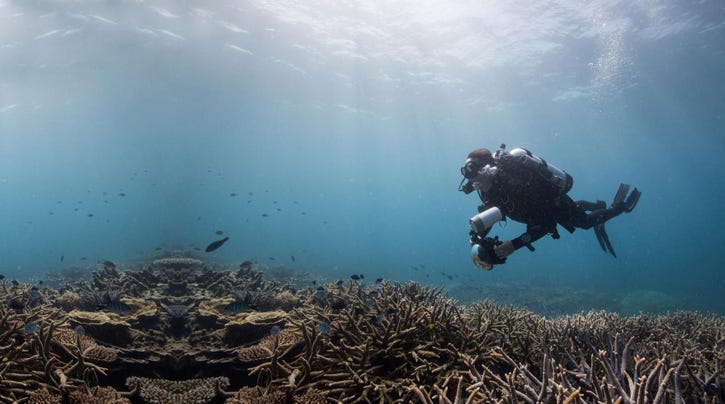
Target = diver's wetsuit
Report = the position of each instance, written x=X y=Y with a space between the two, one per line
x=524 y=196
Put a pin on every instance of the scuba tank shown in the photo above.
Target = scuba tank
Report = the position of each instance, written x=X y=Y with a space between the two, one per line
x=552 y=174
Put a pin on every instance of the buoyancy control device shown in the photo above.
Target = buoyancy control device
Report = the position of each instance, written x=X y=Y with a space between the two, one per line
x=552 y=174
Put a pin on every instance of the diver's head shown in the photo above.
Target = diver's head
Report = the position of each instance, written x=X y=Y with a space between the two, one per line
x=475 y=161
x=479 y=170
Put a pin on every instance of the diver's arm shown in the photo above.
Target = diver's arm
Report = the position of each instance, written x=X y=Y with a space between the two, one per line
x=532 y=234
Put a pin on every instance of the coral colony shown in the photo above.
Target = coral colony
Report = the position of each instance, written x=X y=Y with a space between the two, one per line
x=179 y=330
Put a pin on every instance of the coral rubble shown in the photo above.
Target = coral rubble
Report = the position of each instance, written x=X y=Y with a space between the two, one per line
x=178 y=330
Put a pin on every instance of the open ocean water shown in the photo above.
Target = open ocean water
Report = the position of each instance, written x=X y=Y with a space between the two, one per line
x=326 y=137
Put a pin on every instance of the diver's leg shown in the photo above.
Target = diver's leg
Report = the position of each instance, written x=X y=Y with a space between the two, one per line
x=591 y=206
x=599 y=216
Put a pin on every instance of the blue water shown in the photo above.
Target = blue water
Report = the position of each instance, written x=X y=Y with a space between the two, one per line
x=346 y=124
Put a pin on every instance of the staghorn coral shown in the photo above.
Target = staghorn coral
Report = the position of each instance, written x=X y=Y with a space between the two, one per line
x=194 y=391
x=97 y=395
x=340 y=343
x=256 y=395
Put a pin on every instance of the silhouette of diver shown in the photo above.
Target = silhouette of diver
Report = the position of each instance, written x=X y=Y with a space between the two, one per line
x=519 y=185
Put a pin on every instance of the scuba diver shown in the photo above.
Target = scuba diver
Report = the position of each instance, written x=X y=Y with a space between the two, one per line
x=519 y=185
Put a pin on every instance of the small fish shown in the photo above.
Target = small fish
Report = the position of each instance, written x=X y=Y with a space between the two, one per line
x=233 y=194
x=313 y=282
x=379 y=280
x=324 y=328
x=83 y=258
x=15 y=283
x=355 y=277
x=271 y=258
x=362 y=276
x=79 y=330
x=62 y=257
x=213 y=246
x=275 y=330
x=219 y=232
x=30 y=327
x=339 y=282
x=121 y=194
x=449 y=277
x=265 y=215
x=118 y=307
x=90 y=215
x=2 y=277
x=157 y=248
x=238 y=306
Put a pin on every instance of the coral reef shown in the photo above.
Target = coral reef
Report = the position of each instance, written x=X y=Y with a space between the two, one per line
x=179 y=330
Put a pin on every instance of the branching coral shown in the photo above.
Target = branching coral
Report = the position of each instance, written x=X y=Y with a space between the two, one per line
x=185 y=331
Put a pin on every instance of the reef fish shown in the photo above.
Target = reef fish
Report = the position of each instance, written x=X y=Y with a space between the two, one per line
x=213 y=246
x=238 y=306
x=118 y=307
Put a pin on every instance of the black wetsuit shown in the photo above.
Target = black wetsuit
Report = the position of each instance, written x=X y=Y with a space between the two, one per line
x=525 y=195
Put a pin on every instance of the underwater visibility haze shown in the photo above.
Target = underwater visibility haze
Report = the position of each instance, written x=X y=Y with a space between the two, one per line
x=326 y=138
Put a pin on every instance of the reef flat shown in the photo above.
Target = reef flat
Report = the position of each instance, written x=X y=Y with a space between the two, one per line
x=179 y=330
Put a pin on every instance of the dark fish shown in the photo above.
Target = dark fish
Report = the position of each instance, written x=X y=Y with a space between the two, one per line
x=378 y=280
x=2 y=277
x=90 y=215
x=118 y=307
x=83 y=258
x=265 y=215
x=213 y=246
x=219 y=232
x=40 y=282
x=121 y=194
x=362 y=276
x=233 y=194
x=313 y=282
x=62 y=257
x=75 y=209
x=339 y=283
x=355 y=277
x=293 y=258
x=279 y=209
x=449 y=277
x=157 y=248
x=271 y=258
x=15 y=283
x=238 y=306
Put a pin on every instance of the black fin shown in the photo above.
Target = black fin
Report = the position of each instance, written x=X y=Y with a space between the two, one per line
x=603 y=239
x=631 y=201
x=621 y=194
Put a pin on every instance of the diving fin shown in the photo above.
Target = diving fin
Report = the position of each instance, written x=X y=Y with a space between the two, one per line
x=621 y=194
x=603 y=239
x=632 y=200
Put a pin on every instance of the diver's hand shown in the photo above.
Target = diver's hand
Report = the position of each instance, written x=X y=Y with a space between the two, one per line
x=504 y=249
